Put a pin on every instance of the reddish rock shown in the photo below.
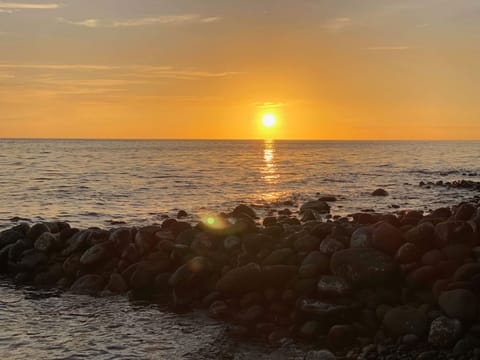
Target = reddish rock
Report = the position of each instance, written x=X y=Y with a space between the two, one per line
x=422 y=277
x=408 y=253
x=387 y=238
x=432 y=257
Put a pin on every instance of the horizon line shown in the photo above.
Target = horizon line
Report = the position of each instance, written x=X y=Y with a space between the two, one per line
x=233 y=139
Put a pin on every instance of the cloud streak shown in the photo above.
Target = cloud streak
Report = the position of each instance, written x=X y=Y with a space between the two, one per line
x=147 y=21
x=388 y=48
x=337 y=24
x=10 y=7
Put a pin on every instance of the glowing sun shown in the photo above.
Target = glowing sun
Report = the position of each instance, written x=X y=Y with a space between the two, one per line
x=269 y=120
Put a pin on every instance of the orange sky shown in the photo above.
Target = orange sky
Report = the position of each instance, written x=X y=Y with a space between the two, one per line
x=375 y=69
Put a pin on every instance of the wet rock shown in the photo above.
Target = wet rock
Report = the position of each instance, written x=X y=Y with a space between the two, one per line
x=457 y=252
x=46 y=242
x=278 y=275
x=16 y=250
x=363 y=266
x=72 y=264
x=341 y=336
x=444 y=331
x=333 y=286
x=197 y=268
x=320 y=355
x=244 y=209
x=88 y=285
x=278 y=257
x=405 y=320
x=327 y=198
x=308 y=215
x=117 y=284
x=250 y=315
x=421 y=235
x=319 y=260
x=306 y=243
x=330 y=246
x=182 y=214
x=328 y=313
x=321 y=207
x=465 y=212
x=218 y=310
x=95 y=254
x=387 y=238
x=77 y=243
x=121 y=238
x=145 y=240
x=10 y=236
x=453 y=232
x=459 y=304
x=32 y=259
x=269 y=221
x=362 y=238
x=37 y=230
x=408 y=253
x=241 y=280
x=232 y=243
x=380 y=192
x=432 y=257
x=421 y=277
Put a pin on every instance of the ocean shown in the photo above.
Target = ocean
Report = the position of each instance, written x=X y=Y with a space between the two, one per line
x=103 y=183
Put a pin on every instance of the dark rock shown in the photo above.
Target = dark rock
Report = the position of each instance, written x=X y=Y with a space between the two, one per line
x=320 y=355
x=46 y=242
x=88 y=285
x=327 y=198
x=459 y=304
x=278 y=257
x=362 y=238
x=278 y=275
x=310 y=329
x=182 y=214
x=306 y=243
x=32 y=259
x=387 y=238
x=95 y=254
x=467 y=272
x=330 y=246
x=16 y=250
x=72 y=264
x=453 y=232
x=363 y=266
x=37 y=230
x=319 y=206
x=250 y=315
x=244 y=209
x=432 y=257
x=218 y=310
x=321 y=261
x=117 y=284
x=465 y=212
x=328 y=313
x=341 y=336
x=421 y=277
x=421 y=235
x=269 y=221
x=121 y=238
x=195 y=269
x=333 y=286
x=380 y=192
x=10 y=236
x=444 y=332
x=77 y=243
x=232 y=243
x=405 y=320
x=408 y=253
x=241 y=280
x=457 y=252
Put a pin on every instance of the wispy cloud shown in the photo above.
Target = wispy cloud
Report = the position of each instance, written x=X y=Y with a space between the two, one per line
x=4 y=75
x=147 y=21
x=388 y=48
x=337 y=24
x=270 y=105
x=10 y=7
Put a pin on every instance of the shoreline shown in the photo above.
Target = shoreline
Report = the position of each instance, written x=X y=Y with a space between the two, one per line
x=356 y=286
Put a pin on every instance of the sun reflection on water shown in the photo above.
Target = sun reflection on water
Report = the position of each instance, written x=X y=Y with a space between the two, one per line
x=270 y=175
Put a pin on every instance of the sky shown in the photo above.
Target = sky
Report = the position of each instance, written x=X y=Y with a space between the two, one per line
x=210 y=69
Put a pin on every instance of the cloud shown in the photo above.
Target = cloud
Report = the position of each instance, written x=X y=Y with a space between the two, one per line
x=4 y=75
x=147 y=21
x=388 y=48
x=270 y=105
x=9 y=7
x=337 y=24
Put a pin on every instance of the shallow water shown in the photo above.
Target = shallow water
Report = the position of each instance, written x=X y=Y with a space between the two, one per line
x=95 y=182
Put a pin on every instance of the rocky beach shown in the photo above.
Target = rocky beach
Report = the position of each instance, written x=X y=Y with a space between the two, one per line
x=402 y=285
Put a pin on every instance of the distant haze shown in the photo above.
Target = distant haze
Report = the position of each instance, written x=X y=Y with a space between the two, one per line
x=327 y=69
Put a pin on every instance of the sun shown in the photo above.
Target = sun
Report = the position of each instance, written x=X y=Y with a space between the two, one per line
x=269 y=120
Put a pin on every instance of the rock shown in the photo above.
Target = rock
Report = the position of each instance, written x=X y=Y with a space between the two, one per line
x=363 y=266
x=321 y=261
x=121 y=238
x=9 y=236
x=244 y=209
x=269 y=221
x=444 y=332
x=184 y=277
x=250 y=315
x=408 y=253
x=232 y=243
x=421 y=235
x=37 y=230
x=94 y=255
x=333 y=286
x=310 y=329
x=241 y=280
x=319 y=206
x=362 y=238
x=380 y=192
x=330 y=246
x=278 y=257
x=387 y=238
x=306 y=243
x=218 y=310
x=320 y=355
x=329 y=314
x=117 y=284
x=32 y=259
x=88 y=285
x=457 y=252
x=278 y=275
x=46 y=242
x=453 y=232
x=405 y=320
x=341 y=336
x=254 y=243
x=459 y=304
x=71 y=265
x=432 y=257
x=421 y=277
x=77 y=243
x=327 y=198
x=467 y=272
x=465 y=212
x=182 y=214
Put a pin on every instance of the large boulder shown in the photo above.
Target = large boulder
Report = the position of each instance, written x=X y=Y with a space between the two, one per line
x=444 y=331
x=46 y=242
x=453 y=232
x=387 y=238
x=185 y=275
x=421 y=235
x=319 y=206
x=320 y=261
x=241 y=280
x=405 y=320
x=279 y=257
x=363 y=266
x=95 y=254
x=362 y=237
x=459 y=304
x=8 y=237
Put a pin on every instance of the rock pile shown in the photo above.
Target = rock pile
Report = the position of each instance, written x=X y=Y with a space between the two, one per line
x=373 y=278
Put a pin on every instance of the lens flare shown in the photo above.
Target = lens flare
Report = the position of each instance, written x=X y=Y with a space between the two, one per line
x=269 y=120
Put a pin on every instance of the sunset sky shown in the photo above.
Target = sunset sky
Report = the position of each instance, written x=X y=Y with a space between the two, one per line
x=327 y=69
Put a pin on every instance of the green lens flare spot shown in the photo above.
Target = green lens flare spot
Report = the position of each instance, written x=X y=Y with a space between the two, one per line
x=211 y=221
